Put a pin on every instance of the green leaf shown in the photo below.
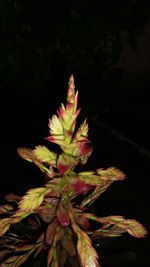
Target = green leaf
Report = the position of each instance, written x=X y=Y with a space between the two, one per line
x=32 y=199
x=29 y=155
x=87 y=254
x=111 y=173
x=116 y=225
x=43 y=154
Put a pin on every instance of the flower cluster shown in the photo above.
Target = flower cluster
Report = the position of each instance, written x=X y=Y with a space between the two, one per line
x=53 y=210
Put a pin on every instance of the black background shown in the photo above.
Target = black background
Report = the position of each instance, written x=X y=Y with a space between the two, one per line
x=105 y=44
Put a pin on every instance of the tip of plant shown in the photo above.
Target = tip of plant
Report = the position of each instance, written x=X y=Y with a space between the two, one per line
x=71 y=78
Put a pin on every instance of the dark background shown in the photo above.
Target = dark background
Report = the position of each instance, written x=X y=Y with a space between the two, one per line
x=106 y=45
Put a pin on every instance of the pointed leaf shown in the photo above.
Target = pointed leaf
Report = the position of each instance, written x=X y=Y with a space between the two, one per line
x=5 y=208
x=50 y=231
x=121 y=224
x=67 y=242
x=4 y=253
x=4 y=225
x=11 y=260
x=136 y=229
x=43 y=154
x=56 y=127
x=32 y=199
x=50 y=256
x=87 y=254
x=28 y=155
x=62 y=256
x=12 y=197
x=82 y=220
x=25 y=247
x=82 y=133
x=39 y=249
x=47 y=210
x=79 y=186
x=111 y=173
x=65 y=163
x=62 y=214
x=22 y=259
x=25 y=153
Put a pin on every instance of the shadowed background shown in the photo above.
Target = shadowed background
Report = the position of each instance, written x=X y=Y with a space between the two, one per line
x=106 y=45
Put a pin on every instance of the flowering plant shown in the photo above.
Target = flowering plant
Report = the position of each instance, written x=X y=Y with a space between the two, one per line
x=58 y=220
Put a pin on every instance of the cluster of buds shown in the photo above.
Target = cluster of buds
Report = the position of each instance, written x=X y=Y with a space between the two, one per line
x=53 y=210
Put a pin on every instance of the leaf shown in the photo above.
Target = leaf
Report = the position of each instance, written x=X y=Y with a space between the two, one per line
x=22 y=259
x=56 y=128
x=55 y=262
x=5 y=208
x=85 y=151
x=82 y=220
x=68 y=116
x=40 y=242
x=25 y=247
x=4 y=225
x=67 y=242
x=6 y=222
x=43 y=154
x=103 y=179
x=136 y=229
x=62 y=127
x=25 y=153
x=12 y=197
x=111 y=173
x=90 y=179
x=11 y=260
x=50 y=231
x=32 y=199
x=28 y=155
x=66 y=163
x=47 y=211
x=115 y=225
x=62 y=256
x=50 y=255
x=38 y=250
x=62 y=214
x=33 y=223
x=82 y=132
x=15 y=261
x=87 y=254
x=95 y=194
x=4 y=253
x=79 y=186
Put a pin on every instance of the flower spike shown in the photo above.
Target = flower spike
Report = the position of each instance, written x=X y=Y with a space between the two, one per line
x=59 y=210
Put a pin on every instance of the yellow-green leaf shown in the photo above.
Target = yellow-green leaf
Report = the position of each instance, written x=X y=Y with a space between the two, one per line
x=32 y=199
x=43 y=154
x=56 y=126
x=88 y=255
x=111 y=173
